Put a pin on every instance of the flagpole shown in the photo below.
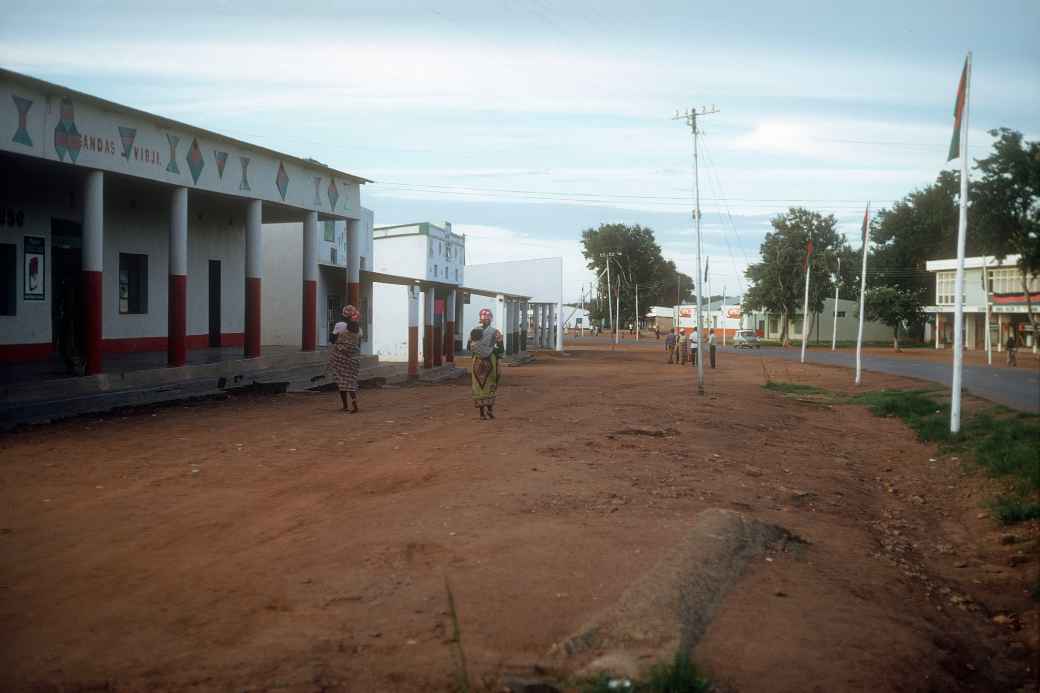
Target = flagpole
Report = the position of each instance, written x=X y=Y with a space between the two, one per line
x=834 y=322
x=805 y=305
x=862 y=294
x=958 y=285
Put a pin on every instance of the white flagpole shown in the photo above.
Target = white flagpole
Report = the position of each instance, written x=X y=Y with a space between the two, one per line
x=958 y=284
x=805 y=305
x=862 y=293
x=834 y=322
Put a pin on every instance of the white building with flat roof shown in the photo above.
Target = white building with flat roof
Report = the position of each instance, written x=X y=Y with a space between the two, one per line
x=994 y=293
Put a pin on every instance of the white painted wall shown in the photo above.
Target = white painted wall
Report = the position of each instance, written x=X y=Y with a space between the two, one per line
x=136 y=220
x=281 y=290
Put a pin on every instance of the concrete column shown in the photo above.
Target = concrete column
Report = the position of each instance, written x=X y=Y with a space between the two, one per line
x=500 y=312
x=413 y=332
x=524 y=324
x=354 y=262
x=428 y=298
x=310 y=282
x=558 y=326
x=938 y=328
x=254 y=271
x=177 y=321
x=93 y=269
x=438 y=331
x=449 y=327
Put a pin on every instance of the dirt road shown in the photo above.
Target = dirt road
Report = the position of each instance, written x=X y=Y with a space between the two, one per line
x=278 y=544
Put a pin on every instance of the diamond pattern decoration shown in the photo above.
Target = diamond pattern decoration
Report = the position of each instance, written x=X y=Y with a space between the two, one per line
x=221 y=158
x=67 y=139
x=174 y=140
x=195 y=161
x=244 y=161
x=282 y=180
x=127 y=136
x=333 y=193
x=21 y=135
x=317 y=191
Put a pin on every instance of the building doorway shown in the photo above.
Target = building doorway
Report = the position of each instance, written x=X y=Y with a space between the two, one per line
x=67 y=292
x=332 y=313
x=214 y=303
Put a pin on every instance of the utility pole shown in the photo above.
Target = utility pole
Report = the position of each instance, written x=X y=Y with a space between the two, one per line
x=637 y=312
x=690 y=117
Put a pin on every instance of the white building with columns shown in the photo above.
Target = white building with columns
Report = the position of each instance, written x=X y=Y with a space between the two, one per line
x=541 y=317
x=125 y=231
x=343 y=251
x=429 y=253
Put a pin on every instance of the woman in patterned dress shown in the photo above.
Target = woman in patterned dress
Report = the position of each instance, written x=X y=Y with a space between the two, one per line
x=345 y=357
x=484 y=373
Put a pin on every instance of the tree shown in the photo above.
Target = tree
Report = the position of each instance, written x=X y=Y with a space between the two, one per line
x=1005 y=205
x=778 y=281
x=920 y=227
x=893 y=306
x=635 y=260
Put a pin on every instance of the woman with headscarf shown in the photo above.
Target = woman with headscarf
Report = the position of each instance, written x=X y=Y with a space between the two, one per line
x=485 y=344
x=345 y=356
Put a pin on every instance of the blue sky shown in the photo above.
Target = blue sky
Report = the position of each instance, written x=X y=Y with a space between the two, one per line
x=454 y=107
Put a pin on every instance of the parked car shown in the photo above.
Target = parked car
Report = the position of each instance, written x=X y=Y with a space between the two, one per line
x=746 y=339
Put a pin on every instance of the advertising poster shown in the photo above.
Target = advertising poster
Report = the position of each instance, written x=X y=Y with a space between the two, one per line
x=34 y=250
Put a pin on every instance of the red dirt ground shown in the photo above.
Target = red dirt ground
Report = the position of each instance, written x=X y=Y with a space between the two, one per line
x=278 y=544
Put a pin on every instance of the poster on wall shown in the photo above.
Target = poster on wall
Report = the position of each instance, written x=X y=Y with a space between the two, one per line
x=34 y=252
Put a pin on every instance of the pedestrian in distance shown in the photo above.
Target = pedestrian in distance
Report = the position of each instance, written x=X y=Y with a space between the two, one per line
x=684 y=346
x=1011 y=348
x=485 y=343
x=711 y=346
x=695 y=339
x=669 y=346
x=345 y=357
x=657 y=332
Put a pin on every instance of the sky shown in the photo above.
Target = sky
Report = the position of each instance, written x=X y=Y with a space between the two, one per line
x=524 y=123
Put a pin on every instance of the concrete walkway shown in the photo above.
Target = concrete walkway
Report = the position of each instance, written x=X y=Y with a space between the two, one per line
x=1018 y=388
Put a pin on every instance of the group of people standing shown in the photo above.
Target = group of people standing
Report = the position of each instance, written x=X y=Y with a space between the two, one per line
x=682 y=347
x=485 y=344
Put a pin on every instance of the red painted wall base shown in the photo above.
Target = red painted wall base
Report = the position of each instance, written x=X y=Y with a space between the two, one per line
x=427 y=351
x=92 y=308
x=438 y=346
x=177 y=322
x=413 y=352
x=310 y=315
x=252 y=343
x=449 y=342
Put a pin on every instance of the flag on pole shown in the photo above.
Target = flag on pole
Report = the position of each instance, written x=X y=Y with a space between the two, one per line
x=808 y=254
x=958 y=114
x=863 y=229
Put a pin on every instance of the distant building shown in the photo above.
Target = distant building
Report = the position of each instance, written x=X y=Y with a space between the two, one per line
x=987 y=283
x=540 y=280
x=822 y=324
x=423 y=251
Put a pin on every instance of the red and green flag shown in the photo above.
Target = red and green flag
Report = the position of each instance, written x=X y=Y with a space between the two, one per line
x=958 y=114
x=866 y=224
x=808 y=254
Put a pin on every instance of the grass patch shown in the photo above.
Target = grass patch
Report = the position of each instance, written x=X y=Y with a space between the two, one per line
x=1004 y=443
x=1013 y=508
x=680 y=675
x=794 y=388
x=929 y=419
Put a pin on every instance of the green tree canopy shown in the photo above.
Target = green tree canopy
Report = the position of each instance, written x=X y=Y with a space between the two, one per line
x=1005 y=205
x=635 y=259
x=893 y=306
x=778 y=281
